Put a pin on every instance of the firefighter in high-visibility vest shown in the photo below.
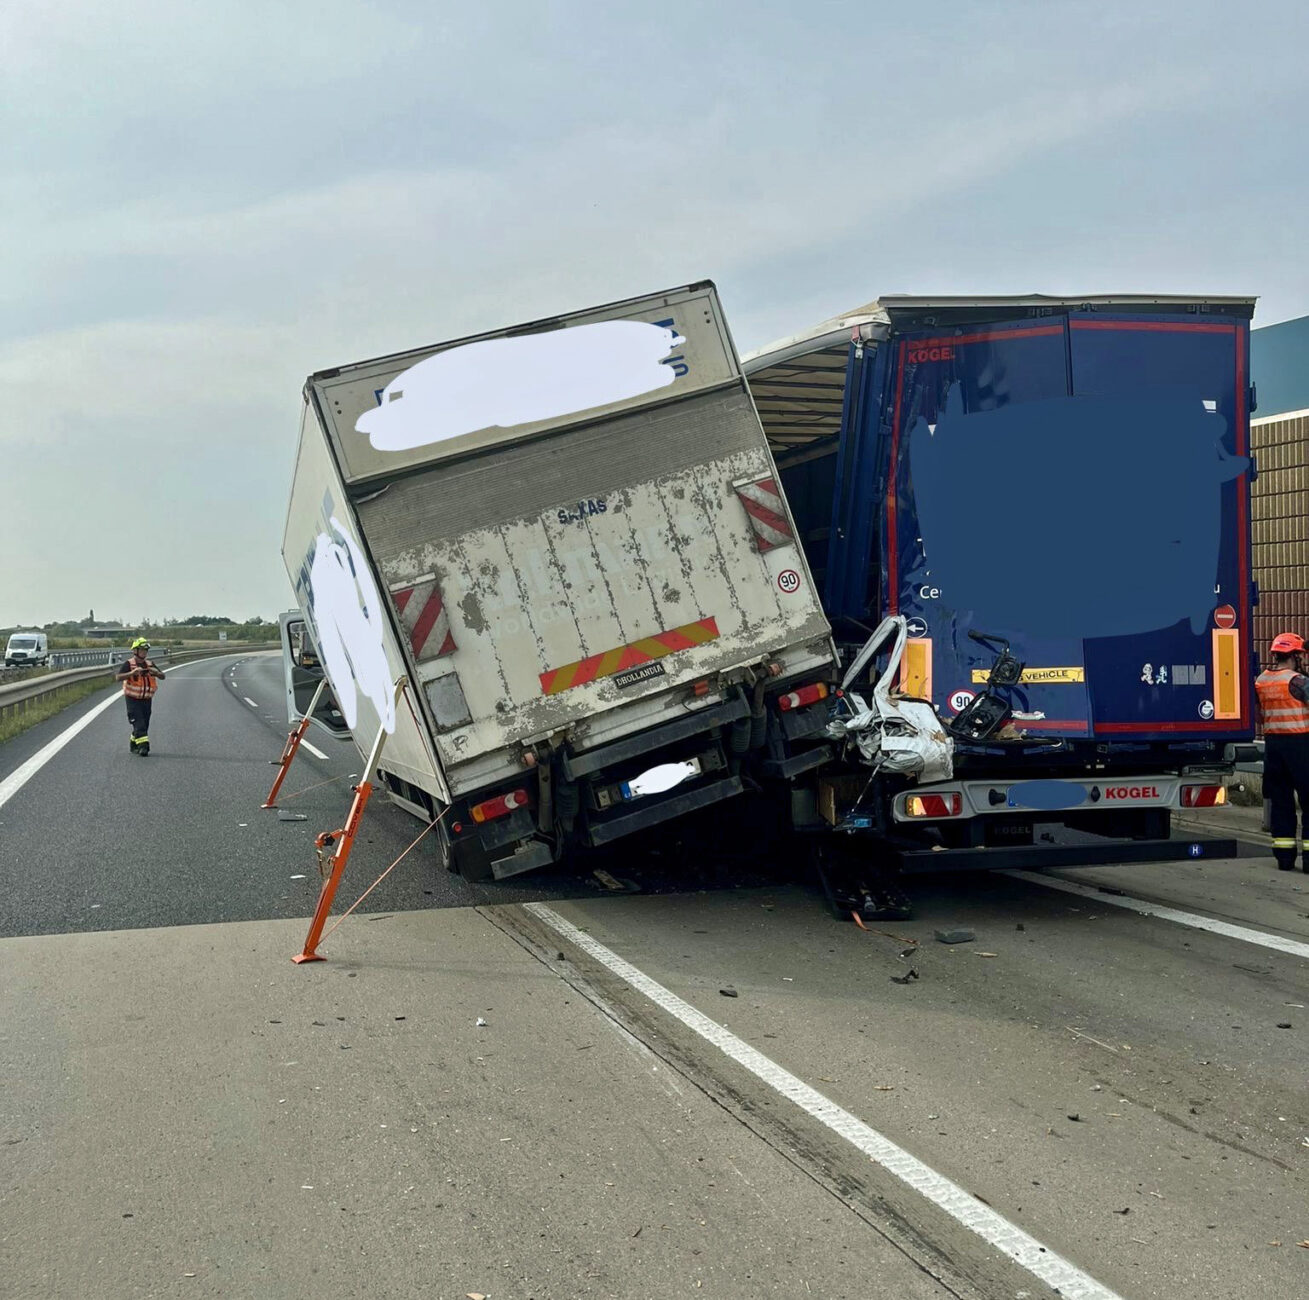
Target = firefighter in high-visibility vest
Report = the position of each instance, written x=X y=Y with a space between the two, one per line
x=1284 y=702
x=140 y=677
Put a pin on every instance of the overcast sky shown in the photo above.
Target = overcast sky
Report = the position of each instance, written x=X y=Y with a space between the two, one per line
x=201 y=204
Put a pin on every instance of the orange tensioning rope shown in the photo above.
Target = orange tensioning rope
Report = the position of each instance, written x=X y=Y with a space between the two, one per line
x=383 y=876
x=318 y=785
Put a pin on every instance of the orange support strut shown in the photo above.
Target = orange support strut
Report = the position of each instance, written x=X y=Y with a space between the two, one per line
x=344 y=840
x=292 y=745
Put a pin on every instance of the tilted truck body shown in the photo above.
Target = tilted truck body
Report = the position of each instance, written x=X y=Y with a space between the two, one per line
x=569 y=538
x=1069 y=476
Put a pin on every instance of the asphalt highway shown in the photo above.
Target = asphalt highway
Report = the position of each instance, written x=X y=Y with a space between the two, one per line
x=549 y=1090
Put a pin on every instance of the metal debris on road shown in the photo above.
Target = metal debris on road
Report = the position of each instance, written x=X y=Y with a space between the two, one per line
x=910 y=974
x=729 y=993
x=481 y=1024
x=955 y=936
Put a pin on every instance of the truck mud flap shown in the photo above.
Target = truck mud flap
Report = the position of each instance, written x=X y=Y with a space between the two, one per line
x=654 y=811
x=622 y=751
x=1042 y=856
x=530 y=857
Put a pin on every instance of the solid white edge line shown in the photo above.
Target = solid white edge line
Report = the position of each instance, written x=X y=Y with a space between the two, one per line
x=1294 y=947
x=960 y=1205
x=317 y=753
x=249 y=701
x=22 y=774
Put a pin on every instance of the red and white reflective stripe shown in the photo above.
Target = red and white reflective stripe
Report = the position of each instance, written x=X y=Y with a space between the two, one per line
x=763 y=504
x=422 y=612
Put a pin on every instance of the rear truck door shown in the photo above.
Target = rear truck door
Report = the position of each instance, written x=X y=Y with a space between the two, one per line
x=302 y=671
x=567 y=546
x=1077 y=483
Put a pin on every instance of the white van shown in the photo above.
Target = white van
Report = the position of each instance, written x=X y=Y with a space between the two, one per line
x=27 y=648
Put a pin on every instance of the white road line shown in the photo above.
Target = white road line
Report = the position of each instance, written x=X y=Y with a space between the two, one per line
x=249 y=701
x=966 y=1209
x=18 y=778
x=317 y=753
x=1293 y=946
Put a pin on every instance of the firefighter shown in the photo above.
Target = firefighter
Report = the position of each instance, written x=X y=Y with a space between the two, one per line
x=140 y=678
x=1284 y=702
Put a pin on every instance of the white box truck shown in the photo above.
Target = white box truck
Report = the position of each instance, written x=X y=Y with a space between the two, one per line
x=569 y=537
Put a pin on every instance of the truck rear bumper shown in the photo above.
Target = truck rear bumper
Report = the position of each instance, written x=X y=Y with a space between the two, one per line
x=661 y=809
x=1037 y=857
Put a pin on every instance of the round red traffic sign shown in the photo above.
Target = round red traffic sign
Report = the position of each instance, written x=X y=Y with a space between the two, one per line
x=1225 y=616
x=788 y=581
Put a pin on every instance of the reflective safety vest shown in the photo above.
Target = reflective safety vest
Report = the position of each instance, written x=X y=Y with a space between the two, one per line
x=1284 y=715
x=142 y=688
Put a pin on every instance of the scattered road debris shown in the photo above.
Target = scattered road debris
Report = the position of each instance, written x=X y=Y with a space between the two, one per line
x=481 y=1024
x=729 y=993
x=910 y=974
x=1077 y=1033
x=955 y=936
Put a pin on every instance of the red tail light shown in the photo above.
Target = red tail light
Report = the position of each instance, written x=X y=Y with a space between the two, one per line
x=1203 y=796
x=501 y=806
x=805 y=695
x=949 y=804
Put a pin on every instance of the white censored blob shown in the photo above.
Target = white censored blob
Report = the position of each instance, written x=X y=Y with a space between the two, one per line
x=500 y=383
x=348 y=612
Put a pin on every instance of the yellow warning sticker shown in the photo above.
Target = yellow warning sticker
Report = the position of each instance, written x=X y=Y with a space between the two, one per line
x=1038 y=676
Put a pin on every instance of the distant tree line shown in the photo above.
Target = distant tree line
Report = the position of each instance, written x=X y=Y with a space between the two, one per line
x=67 y=634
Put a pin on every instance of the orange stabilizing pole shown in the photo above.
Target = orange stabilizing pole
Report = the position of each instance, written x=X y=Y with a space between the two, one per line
x=344 y=840
x=292 y=745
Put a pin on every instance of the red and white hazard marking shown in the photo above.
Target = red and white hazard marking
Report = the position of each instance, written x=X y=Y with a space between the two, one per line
x=422 y=612
x=763 y=505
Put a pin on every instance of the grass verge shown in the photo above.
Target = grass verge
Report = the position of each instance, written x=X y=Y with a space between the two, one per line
x=18 y=720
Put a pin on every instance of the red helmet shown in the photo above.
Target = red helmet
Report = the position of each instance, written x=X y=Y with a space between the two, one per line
x=1285 y=643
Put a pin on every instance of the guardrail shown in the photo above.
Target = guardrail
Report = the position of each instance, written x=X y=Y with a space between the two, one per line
x=79 y=659
x=21 y=696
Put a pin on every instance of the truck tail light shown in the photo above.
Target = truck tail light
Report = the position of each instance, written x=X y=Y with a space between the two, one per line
x=805 y=695
x=949 y=804
x=501 y=806
x=1203 y=796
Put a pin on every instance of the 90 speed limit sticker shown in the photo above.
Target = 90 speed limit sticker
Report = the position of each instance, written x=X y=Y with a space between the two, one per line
x=788 y=581
x=960 y=700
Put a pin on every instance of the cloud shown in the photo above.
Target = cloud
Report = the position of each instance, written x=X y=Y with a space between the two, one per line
x=200 y=207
